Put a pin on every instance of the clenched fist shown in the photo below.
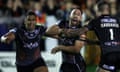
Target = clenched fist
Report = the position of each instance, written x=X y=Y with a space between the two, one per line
x=57 y=49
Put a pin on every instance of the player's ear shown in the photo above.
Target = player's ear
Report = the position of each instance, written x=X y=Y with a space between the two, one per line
x=70 y=16
x=71 y=13
x=25 y=21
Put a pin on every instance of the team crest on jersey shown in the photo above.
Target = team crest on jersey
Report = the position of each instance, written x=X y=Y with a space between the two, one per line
x=31 y=35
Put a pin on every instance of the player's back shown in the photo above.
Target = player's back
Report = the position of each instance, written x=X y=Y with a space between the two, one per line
x=107 y=29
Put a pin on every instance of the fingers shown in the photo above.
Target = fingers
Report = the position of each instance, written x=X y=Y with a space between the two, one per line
x=54 y=50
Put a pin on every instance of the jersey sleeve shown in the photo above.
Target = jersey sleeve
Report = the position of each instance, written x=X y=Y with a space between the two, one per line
x=91 y=24
x=14 y=30
x=42 y=30
x=62 y=24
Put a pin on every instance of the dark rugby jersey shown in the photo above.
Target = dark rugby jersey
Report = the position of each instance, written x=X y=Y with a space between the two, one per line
x=69 y=57
x=27 y=44
x=107 y=29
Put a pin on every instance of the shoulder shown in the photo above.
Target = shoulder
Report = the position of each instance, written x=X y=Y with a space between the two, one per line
x=92 y=21
x=115 y=17
x=62 y=23
x=40 y=27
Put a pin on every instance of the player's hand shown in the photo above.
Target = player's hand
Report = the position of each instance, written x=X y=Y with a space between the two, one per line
x=56 y=49
x=3 y=39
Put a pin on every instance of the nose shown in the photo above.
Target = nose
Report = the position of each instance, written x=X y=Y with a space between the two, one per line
x=75 y=16
x=32 y=21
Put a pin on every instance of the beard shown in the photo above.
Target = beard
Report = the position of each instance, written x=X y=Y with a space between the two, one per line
x=76 y=24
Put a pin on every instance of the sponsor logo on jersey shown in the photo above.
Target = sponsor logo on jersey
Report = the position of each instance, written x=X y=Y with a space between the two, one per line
x=109 y=22
x=31 y=45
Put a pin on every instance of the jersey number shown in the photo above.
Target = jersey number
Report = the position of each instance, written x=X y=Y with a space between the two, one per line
x=111 y=34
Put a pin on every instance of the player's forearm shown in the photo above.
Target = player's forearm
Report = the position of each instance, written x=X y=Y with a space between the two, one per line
x=69 y=49
x=52 y=36
x=91 y=42
x=56 y=33
x=64 y=32
x=73 y=32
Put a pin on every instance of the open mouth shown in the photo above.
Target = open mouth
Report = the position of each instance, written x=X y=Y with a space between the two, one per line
x=74 y=20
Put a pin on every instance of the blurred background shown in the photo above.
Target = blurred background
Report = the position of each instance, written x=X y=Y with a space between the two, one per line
x=12 y=14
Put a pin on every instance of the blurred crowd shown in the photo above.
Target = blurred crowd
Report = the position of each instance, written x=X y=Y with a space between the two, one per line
x=12 y=12
x=58 y=8
x=18 y=8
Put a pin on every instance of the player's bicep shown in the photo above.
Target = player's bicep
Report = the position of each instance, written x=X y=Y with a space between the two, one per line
x=78 y=45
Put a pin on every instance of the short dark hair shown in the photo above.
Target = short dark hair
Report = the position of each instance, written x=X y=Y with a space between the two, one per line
x=78 y=9
x=101 y=5
x=30 y=13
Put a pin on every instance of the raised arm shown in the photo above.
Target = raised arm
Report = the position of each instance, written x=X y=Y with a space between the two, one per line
x=56 y=32
x=76 y=32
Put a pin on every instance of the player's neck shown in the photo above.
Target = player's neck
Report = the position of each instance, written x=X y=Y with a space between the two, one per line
x=105 y=13
x=31 y=29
